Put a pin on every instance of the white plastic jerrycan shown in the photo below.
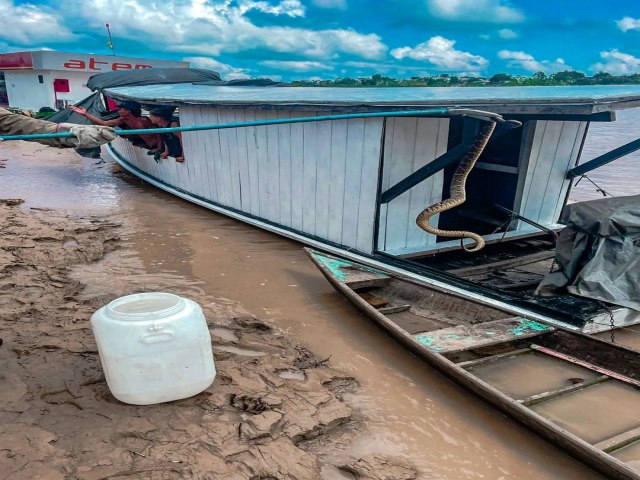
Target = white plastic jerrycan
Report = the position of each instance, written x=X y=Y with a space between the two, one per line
x=154 y=347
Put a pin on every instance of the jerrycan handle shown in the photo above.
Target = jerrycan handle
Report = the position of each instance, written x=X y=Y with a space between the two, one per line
x=157 y=334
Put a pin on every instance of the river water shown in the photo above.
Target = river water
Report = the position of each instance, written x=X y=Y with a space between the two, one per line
x=409 y=410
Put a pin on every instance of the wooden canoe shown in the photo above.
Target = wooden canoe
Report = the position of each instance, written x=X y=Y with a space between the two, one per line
x=551 y=380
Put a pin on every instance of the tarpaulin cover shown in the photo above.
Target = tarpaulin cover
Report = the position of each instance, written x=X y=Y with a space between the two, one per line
x=151 y=76
x=92 y=104
x=599 y=252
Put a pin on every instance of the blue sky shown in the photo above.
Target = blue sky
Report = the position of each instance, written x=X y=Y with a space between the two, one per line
x=323 y=39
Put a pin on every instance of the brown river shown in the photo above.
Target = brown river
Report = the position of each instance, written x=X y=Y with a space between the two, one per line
x=406 y=408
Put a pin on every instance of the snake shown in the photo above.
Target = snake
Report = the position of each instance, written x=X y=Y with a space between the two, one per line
x=458 y=193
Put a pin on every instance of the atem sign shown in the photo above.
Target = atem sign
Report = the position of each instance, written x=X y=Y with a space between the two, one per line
x=78 y=62
x=95 y=64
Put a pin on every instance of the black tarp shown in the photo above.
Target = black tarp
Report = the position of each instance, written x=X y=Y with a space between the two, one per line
x=151 y=76
x=92 y=104
x=598 y=252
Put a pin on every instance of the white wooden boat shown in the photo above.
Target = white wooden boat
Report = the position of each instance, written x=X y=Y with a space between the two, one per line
x=354 y=186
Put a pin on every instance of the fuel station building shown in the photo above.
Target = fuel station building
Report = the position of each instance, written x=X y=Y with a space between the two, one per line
x=44 y=78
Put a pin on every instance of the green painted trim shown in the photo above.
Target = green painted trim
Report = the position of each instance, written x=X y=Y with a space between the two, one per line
x=335 y=266
x=524 y=327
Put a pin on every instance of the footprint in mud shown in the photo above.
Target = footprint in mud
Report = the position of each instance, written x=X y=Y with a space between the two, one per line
x=254 y=403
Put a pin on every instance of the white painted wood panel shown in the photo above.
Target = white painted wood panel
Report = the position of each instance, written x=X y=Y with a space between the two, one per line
x=352 y=187
x=284 y=166
x=297 y=175
x=309 y=176
x=410 y=143
x=251 y=138
x=271 y=172
x=243 y=162
x=370 y=173
x=320 y=178
x=323 y=178
x=554 y=149
x=337 y=174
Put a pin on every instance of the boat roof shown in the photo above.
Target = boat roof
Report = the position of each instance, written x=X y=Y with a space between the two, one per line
x=580 y=100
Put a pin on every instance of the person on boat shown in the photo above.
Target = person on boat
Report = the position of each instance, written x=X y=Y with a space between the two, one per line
x=130 y=117
x=172 y=141
x=85 y=136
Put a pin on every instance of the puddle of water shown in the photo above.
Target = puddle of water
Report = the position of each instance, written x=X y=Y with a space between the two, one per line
x=224 y=334
x=293 y=375
x=409 y=410
x=71 y=242
x=329 y=472
x=524 y=375
x=238 y=351
x=596 y=413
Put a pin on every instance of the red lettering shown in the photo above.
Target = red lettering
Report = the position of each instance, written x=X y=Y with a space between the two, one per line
x=93 y=62
x=121 y=66
x=77 y=64
x=142 y=66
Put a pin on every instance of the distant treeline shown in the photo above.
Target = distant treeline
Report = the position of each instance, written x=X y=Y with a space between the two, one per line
x=566 y=77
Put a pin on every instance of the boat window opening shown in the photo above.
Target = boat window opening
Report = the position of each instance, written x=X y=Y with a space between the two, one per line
x=40 y=78
x=494 y=180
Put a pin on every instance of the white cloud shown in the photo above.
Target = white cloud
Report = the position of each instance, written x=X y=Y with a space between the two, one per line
x=491 y=11
x=227 y=72
x=628 y=23
x=28 y=24
x=617 y=63
x=292 y=8
x=207 y=28
x=440 y=52
x=340 y=4
x=296 y=66
x=507 y=34
x=528 y=62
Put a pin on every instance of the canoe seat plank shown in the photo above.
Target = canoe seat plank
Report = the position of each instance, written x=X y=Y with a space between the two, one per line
x=619 y=441
x=394 y=309
x=360 y=279
x=373 y=300
x=542 y=397
x=467 y=337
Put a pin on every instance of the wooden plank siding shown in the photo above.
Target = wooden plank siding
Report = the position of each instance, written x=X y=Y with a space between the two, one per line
x=409 y=144
x=554 y=148
x=318 y=178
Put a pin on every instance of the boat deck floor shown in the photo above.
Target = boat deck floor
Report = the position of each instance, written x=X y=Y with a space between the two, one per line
x=516 y=266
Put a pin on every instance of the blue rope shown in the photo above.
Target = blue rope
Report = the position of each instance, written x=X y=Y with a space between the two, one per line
x=219 y=126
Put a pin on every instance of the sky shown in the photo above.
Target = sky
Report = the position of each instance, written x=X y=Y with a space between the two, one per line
x=326 y=39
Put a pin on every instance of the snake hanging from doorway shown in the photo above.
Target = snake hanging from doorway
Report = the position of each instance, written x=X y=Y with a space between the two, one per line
x=458 y=193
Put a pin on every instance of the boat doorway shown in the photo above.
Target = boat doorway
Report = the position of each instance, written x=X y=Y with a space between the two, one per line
x=493 y=182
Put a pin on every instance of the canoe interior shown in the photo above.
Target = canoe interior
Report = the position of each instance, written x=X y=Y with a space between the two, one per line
x=583 y=385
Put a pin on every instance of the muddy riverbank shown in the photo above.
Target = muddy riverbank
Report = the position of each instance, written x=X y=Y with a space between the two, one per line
x=398 y=408
x=271 y=397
